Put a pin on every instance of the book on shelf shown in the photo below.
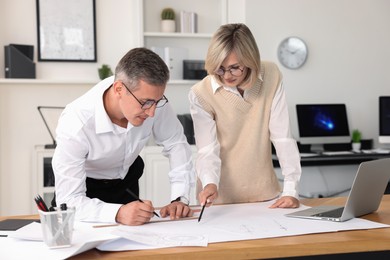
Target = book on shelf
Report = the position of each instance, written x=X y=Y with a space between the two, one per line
x=173 y=57
x=188 y=22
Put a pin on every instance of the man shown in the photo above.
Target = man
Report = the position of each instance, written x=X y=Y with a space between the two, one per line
x=99 y=138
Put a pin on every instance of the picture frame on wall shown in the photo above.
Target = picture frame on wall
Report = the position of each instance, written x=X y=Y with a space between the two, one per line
x=66 y=30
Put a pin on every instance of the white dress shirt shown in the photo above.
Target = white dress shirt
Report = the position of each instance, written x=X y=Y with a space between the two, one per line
x=90 y=145
x=208 y=163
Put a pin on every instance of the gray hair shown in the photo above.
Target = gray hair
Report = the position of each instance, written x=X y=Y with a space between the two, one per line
x=142 y=64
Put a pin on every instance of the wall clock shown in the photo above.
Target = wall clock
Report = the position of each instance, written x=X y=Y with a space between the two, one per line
x=292 y=52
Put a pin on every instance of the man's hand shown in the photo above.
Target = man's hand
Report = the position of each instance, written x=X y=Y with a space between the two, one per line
x=208 y=195
x=135 y=213
x=286 y=202
x=176 y=210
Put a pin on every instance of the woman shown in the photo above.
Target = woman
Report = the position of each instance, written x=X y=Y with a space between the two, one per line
x=238 y=110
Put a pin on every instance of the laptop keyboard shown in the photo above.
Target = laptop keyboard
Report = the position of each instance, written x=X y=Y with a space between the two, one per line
x=336 y=213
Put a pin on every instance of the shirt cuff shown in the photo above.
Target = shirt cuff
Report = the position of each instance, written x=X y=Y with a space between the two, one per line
x=290 y=188
x=108 y=212
x=178 y=190
x=210 y=179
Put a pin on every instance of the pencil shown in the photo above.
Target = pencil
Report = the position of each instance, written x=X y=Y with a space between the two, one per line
x=201 y=213
x=136 y=197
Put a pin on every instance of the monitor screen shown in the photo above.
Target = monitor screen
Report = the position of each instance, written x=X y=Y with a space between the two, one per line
x=384 y=120
x=323 y=123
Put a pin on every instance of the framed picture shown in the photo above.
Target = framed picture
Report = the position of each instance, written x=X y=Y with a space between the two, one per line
x=66 y=30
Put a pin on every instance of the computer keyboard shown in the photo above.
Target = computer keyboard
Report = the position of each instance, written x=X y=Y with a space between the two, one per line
x=376 y=151
x=337 y=152
x=309 y=154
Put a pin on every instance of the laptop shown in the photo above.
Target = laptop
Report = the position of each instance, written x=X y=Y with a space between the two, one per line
x=365 y=196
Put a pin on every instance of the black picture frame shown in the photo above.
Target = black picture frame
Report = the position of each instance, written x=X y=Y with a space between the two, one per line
x=66 y=30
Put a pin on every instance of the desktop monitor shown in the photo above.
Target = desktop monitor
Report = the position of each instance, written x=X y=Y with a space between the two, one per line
x=384 y=120
x=320 y=124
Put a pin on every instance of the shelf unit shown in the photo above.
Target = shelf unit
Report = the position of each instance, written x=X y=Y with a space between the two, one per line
x=42 y=175
x=154 y=183
x=211 y=14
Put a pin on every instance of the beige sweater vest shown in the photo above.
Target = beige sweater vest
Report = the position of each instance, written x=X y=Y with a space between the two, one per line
x=247 y=173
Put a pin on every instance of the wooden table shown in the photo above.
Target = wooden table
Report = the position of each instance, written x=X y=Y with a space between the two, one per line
x=373 y=243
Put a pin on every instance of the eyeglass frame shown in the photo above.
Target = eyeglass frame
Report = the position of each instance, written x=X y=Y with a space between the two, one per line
x=230 y=70
x=148 y=101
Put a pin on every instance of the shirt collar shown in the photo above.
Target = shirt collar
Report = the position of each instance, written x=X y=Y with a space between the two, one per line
x=215 y=86
x=102 y=120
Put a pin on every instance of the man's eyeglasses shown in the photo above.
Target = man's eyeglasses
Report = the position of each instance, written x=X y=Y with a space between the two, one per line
x=234 y=71
x=150 y=102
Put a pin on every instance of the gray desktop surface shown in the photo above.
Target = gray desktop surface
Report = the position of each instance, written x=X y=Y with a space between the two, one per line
x=341 y=159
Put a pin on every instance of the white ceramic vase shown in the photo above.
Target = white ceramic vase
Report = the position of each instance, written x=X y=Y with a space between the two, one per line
x=168 y=26
x=356 y=147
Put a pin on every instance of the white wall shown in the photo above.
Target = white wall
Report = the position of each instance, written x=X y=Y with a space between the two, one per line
x=117 y=32
x=348 y=44
x=349 y=53
x=22 y=129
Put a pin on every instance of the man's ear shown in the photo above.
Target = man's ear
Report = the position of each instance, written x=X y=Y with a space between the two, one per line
x=117 y=86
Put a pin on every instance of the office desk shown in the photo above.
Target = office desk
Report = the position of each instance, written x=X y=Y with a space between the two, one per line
x=329 y=175
x=373 y=242
x=306 y=245
x=345 y=159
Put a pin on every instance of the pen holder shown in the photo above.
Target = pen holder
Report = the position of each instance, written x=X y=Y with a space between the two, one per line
x=57 y=227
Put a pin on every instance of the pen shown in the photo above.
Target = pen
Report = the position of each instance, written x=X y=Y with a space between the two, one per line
x=63 y=206
x=136 y=197
x=41 y=203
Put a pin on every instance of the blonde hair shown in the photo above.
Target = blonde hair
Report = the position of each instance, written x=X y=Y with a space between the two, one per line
x=235 y=37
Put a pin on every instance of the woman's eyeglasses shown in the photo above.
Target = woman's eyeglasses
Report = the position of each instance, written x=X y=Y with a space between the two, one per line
x=234 y=71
